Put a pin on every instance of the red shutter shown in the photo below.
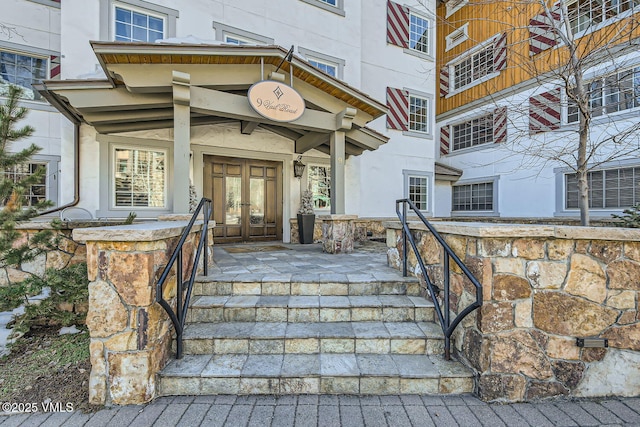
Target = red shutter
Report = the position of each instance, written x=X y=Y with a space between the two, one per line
x=544 y=111
x=500 y=53
x=398 y=104
x=500 y=125
x=542 y=31
x=444 y=81
x=397 y=24
x=54 y=66
x=444 y=140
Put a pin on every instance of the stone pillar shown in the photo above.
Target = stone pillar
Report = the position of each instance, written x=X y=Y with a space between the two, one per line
x=181 y=141
x=130 y=332
x=338 y=233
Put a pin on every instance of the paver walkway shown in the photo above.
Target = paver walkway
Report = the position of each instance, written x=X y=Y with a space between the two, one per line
x=331 y=410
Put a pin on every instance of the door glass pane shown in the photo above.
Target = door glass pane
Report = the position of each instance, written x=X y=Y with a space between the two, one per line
x=257 y=201
x=234 y=194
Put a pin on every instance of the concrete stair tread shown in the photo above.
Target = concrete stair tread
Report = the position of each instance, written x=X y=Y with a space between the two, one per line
x=308 y=301
x=374 y=277
x=275 y=330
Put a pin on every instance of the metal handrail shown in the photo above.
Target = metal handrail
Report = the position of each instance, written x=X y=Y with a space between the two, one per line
x=179 y=316
x=448 y=325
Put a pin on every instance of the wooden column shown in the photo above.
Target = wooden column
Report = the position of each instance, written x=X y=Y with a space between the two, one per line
x=181 y=140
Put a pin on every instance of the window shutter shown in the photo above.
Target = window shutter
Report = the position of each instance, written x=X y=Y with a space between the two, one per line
x=500 y=53
x=54 y=67
x=500 y=125
x=397 y=24
x=542 y=31
x=398 y=104
x=444 y=140
x=444 y=81
x=544 y=112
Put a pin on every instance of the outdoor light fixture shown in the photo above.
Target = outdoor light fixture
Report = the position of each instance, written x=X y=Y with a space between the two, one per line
x=298 y=167
x=592 y=342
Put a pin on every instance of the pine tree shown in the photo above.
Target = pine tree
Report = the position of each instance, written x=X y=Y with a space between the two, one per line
x=13 y=248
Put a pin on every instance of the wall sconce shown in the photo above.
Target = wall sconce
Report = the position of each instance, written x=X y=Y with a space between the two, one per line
x=298 y=167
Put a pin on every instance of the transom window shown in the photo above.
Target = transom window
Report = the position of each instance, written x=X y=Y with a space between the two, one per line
x=135 y=26
x=419 y=33
x=240 y=41
x=37 y=191
x=319 y=181
x=610 y=94
x=474 y=132
x=418 y=114
x=22 y=70
x=473 y=68
x=609 y=188
x=140 y=178
x=584 y=14
x=473 y=197
x=330 y=2
x=330 y=69
x=418 y=186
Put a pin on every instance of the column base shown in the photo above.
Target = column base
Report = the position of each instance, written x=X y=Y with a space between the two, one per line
x=338 y=233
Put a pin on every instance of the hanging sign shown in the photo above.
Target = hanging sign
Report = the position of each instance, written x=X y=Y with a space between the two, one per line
x=276 y=101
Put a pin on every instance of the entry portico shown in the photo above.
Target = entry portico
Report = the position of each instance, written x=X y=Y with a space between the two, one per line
x=192 y=100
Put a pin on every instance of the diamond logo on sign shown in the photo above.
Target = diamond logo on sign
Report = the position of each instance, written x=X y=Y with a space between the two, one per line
x=278 y=92
x=276 y=101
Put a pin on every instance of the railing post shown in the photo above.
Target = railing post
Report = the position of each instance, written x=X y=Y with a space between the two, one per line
x=404 y=239
x=205 y=250
x=447 y=319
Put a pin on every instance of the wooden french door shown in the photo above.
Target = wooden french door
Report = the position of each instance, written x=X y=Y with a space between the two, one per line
x=247 y=198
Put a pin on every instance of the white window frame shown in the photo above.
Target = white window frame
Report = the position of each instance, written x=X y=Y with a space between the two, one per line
x=108 y=18
x=52 y=165
x=117 y=5
x=308 y=184
x=452 y=6
x=428 y=134
x=561 y=189
x=428 y=176
x=108 y=145
x=457 y=36
x=429 y=43
x=33 y=53
x=223 y=31
x=472 y=146
x=603 y=23
x=471 y=182
x=338 y=9
x=311 y=55
x=113 y=171
x=429 y=55
x=487 y=44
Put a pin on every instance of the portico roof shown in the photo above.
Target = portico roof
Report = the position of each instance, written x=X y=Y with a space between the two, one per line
x=137 y=93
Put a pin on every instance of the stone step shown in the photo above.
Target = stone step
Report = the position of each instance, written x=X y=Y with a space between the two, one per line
x=335 y=284
x=314 y=373
x=255 y=308
x=289 y=338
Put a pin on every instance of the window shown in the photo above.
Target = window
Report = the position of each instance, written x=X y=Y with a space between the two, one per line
x=319 y=181
x=37 y=191
x=335 y=6
x=329 y=64
x=140 y=178
x=615 y=92
x=584 y=14
x=419 y=33
x=473 y=132
x=418 y=192
x=473 y=197
x=473 y=68
x=135 y=26
x=233 y=35
x=609 y=188
x=22 y=70
x=418 y=114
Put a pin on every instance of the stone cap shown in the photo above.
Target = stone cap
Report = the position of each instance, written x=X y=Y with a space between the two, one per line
x=142 y=232
x=481 y=229
x=337 y=217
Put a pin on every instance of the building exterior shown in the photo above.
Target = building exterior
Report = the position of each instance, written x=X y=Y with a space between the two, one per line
x=352 y=63
x=506 y=120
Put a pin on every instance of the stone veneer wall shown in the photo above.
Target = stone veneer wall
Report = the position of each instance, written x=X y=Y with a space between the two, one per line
x=543 y=287
x=362 y=226
x=130 y=333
